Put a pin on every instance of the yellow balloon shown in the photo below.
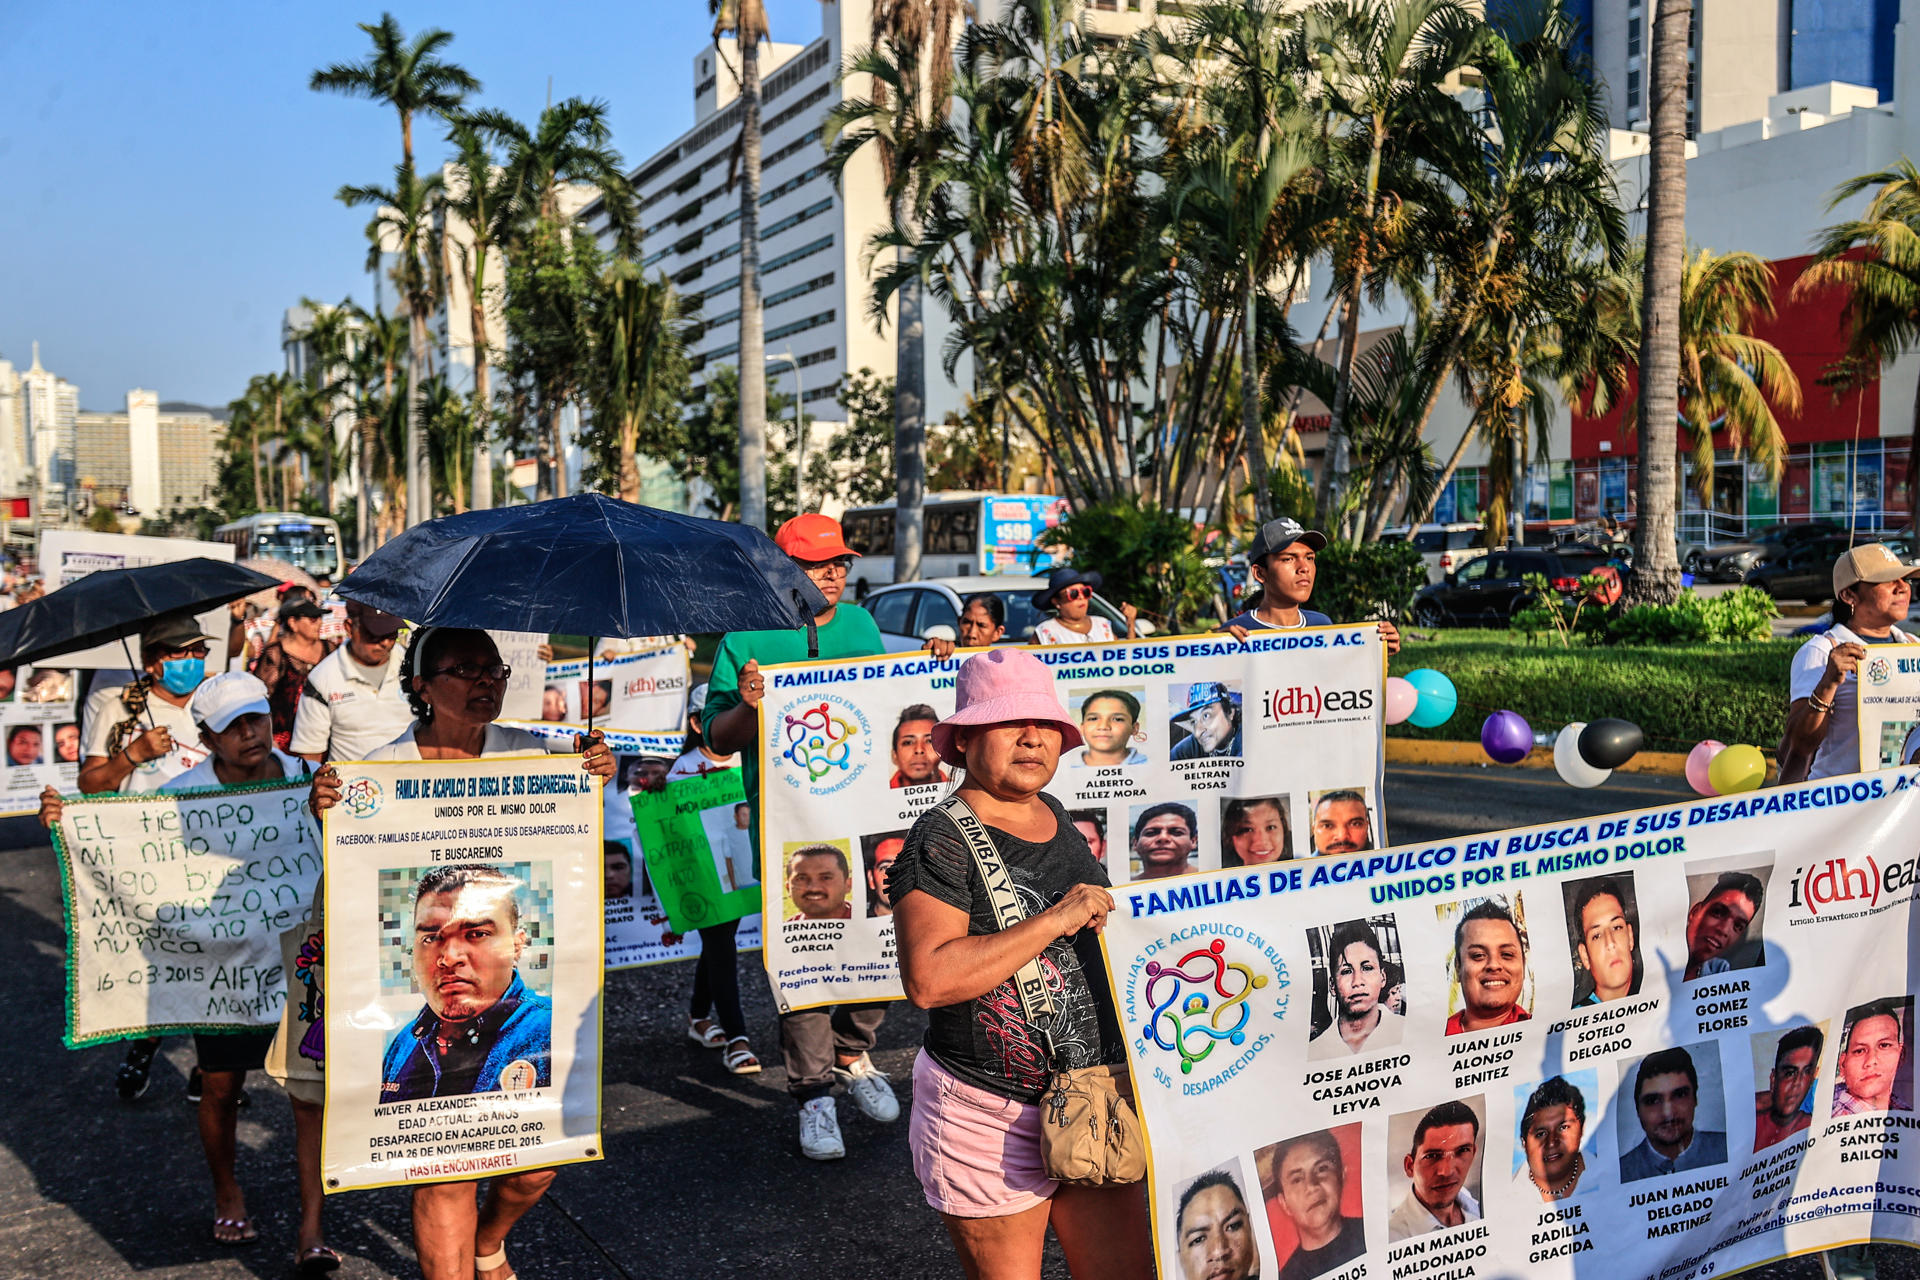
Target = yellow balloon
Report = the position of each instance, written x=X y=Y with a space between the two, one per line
x=1738 y=768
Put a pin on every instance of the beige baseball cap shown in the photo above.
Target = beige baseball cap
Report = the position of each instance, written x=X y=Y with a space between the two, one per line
x=1873 y=562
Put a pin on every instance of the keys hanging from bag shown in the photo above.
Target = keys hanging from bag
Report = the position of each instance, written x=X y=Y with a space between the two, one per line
x=1089 y=1133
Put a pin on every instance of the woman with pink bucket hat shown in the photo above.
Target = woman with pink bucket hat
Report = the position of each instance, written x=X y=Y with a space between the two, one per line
x=977 y=1084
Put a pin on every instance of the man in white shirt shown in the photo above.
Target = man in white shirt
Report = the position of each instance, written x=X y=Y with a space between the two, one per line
x=353 y=700
x=1438 y=1168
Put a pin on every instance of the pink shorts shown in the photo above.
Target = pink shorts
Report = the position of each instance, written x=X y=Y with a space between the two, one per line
x=976 y=1153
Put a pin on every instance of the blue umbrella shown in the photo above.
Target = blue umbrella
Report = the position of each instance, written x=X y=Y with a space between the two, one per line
x=586 y=565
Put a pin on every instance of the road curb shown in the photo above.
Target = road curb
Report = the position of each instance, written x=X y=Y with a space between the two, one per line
x=1671 y=764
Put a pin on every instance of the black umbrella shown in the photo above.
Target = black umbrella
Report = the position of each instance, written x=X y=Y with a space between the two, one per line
x=112 y=604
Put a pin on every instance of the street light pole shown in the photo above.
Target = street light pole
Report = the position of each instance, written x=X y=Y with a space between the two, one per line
x=799 y=429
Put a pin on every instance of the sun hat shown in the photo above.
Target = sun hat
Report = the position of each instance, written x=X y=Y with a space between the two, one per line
x=1003 y=686
x=1279 y=534
x=1871 y=562
x=813 y=537
x=179 y=632
x=1059 y=581
x=1203 y=694
x=224 y=698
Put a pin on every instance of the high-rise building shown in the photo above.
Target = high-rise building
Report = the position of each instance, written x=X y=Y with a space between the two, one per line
x=1850 y=41
x=1738 y=53
x=13 y=431
x=50 y=403
x=157 y=458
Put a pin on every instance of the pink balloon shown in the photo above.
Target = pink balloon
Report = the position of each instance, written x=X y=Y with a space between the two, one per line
x=1402 y=698
x=1697 y=761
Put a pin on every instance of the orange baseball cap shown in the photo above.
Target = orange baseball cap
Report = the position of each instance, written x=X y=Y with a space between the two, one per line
x=813 y=537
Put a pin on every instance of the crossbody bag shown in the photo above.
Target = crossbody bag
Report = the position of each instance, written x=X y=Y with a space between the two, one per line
x=1089 y=1134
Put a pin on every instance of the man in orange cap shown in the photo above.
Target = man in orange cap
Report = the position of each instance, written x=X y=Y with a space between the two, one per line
x=818 y=1045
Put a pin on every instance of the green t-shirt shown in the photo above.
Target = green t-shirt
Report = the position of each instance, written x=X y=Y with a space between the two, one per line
x=850 y=633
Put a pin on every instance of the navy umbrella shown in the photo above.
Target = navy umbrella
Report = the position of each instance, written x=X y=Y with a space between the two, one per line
x=113 y=604
x=586 y=565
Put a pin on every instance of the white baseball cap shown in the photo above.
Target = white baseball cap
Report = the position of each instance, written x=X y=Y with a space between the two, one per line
x=224 y=698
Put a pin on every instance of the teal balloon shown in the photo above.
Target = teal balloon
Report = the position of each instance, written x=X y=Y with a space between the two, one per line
x=1438 y=698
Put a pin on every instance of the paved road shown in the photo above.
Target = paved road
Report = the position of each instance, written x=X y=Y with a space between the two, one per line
x=702 y=1177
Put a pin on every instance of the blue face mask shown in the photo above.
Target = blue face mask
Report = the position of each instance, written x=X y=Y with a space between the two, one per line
x=182 y=675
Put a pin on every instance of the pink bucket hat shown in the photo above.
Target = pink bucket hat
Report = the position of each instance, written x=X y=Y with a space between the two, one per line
x=1003 y=686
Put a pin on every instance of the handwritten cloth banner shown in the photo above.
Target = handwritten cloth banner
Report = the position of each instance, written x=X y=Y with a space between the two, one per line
x=698 y=849
x=175 y=905
x=1201 y=752
x=463 y=908
x=1662 y=1044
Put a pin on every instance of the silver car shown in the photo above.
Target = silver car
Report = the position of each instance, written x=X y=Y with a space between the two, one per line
x=911 y=613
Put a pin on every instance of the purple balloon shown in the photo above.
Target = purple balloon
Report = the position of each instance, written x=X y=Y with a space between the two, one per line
x=1507 y=737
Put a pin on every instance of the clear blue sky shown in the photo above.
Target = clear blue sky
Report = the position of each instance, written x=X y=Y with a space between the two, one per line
x=169 y=177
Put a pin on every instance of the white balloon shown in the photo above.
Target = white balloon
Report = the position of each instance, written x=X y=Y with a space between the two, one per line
x=1567 y=762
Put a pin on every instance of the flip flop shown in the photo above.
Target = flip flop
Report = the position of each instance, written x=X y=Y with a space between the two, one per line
x=316 y=1260
x=243 y=1227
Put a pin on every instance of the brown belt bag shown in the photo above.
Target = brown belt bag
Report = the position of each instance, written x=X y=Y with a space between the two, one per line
x=1089 y=1134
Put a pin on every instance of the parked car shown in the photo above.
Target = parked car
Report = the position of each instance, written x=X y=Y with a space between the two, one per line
x=1806 y=571
x=1444 y=547
x=911 y=613
x=1732 y=561
x=1492 y=588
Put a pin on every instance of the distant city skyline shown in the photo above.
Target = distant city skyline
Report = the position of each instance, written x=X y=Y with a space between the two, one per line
x=173 y=176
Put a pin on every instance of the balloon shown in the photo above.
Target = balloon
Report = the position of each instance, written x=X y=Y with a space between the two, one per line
x=1574 y=770
x=1608 y=744
x=1698 y=761
x=1737 y=768
x=1402 y=698
x=1506 y=737
x=1438 y=698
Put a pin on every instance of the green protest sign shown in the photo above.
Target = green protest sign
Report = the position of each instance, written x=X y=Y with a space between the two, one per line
x=694 y=838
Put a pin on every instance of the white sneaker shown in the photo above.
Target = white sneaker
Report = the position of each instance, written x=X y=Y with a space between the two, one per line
x=820 y=1131
x=867 y=1084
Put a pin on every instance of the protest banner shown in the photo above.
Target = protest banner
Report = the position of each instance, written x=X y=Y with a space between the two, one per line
x=42 y=729
x=521 y=651
x=463 y=970
x=1886 y=688
x=67 y=555
x=1666 y=1044
x=643 y=691
x=1201 y=752
x=698 y=851
x=175 y=905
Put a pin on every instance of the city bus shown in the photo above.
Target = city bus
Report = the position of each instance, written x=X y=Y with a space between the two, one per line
x=968 y=534
x=306 y=542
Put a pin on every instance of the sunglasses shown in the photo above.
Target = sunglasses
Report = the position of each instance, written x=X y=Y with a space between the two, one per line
x=471 y=671
x=1074 y=593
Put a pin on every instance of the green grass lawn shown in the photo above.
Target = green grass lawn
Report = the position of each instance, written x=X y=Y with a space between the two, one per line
x=1679 y=695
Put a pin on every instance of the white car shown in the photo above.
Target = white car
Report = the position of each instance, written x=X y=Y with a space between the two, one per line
x=911 y=613
x=1444 y=547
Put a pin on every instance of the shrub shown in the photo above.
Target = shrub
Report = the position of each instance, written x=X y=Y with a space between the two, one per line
x=1742 y=614
x=1146 y=556
x=1364 y=581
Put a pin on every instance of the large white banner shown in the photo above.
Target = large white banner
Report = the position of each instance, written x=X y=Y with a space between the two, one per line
x=175 y=906
x=67 y=555
x=464 y=917
x=1201 y=752
x=1658 y=1045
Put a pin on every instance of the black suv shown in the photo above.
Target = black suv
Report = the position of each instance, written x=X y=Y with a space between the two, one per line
x=1493 y=588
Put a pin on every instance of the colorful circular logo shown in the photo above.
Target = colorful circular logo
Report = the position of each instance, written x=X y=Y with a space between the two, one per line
x=1879 y=671
x=362 y=797
x=1200 y=1003
x=823 y=743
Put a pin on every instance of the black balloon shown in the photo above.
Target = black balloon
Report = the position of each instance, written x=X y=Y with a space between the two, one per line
x=1608 y=744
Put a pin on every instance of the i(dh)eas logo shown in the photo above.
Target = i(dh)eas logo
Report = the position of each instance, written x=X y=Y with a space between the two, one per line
x=1200 y=1003
x=823 y=744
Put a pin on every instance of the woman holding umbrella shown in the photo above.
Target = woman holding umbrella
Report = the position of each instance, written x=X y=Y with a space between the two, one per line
x=141 y=735
x=454 y=680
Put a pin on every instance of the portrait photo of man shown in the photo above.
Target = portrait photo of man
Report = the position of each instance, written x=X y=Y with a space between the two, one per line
x=1254 y=830
x=915 y=763
x=1214 y=1230
x=1553 y=1124
x=1442 y=1168
x=1780 y=1110
x=1340 y=822
x=1489 y=966
x=1165 y=837
x=1603 y=931
x=878 y=853
x=1719 y=921
x=1110 y=726
x=1350 y=966
x=1317 y=1224
x=619 y=870
x=819 y=883
x=482 y=1029
x=1668 y=1108
x=1092 y=826
x=25 y=745
x=1206 y=721
x=1875 y=1068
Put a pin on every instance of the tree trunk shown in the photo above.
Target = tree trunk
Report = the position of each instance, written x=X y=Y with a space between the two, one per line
x=909 y=432
x=1253 y=437
x=556 y=415
x=629 y=458
x=363 y=495
x=753 y=346
x=418 y=508
x=1517 y=504
x=1656 y=576
x=482 y=400
x=1333 y=469
x=259 y=481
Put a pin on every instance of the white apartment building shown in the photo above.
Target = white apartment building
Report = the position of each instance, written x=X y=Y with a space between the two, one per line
x=13 y=431
x=49 y=404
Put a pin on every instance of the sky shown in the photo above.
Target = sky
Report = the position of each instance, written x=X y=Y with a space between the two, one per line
x=170 y=178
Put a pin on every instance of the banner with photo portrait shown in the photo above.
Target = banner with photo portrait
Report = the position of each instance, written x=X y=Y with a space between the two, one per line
x=1201 y=752
x=41 y=724
x=1886 y=693
x=644 y=691
x=1655 y=1045
x=464 y=970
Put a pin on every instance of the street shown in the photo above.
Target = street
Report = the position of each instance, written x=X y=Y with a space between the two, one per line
x=702 y=1176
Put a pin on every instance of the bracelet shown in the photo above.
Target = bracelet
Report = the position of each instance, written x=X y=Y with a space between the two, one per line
x=1824 y=708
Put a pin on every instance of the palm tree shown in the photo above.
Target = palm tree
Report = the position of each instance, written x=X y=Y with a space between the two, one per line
x=329 y=332
x=1734 y=382
x=410 y=77
x=641 y=367
x=483 y=195
x=747 y=19
x=383 y=346
x=1656 y=577
x=1876 y=259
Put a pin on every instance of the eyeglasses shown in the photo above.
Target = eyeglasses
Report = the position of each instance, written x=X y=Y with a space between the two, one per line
x=499 y=672
x=191 y=651
x=1074 y=593
x=837 y=568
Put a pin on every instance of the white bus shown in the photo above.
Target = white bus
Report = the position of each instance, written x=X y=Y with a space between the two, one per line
x=968 y=534
x=306 y=542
